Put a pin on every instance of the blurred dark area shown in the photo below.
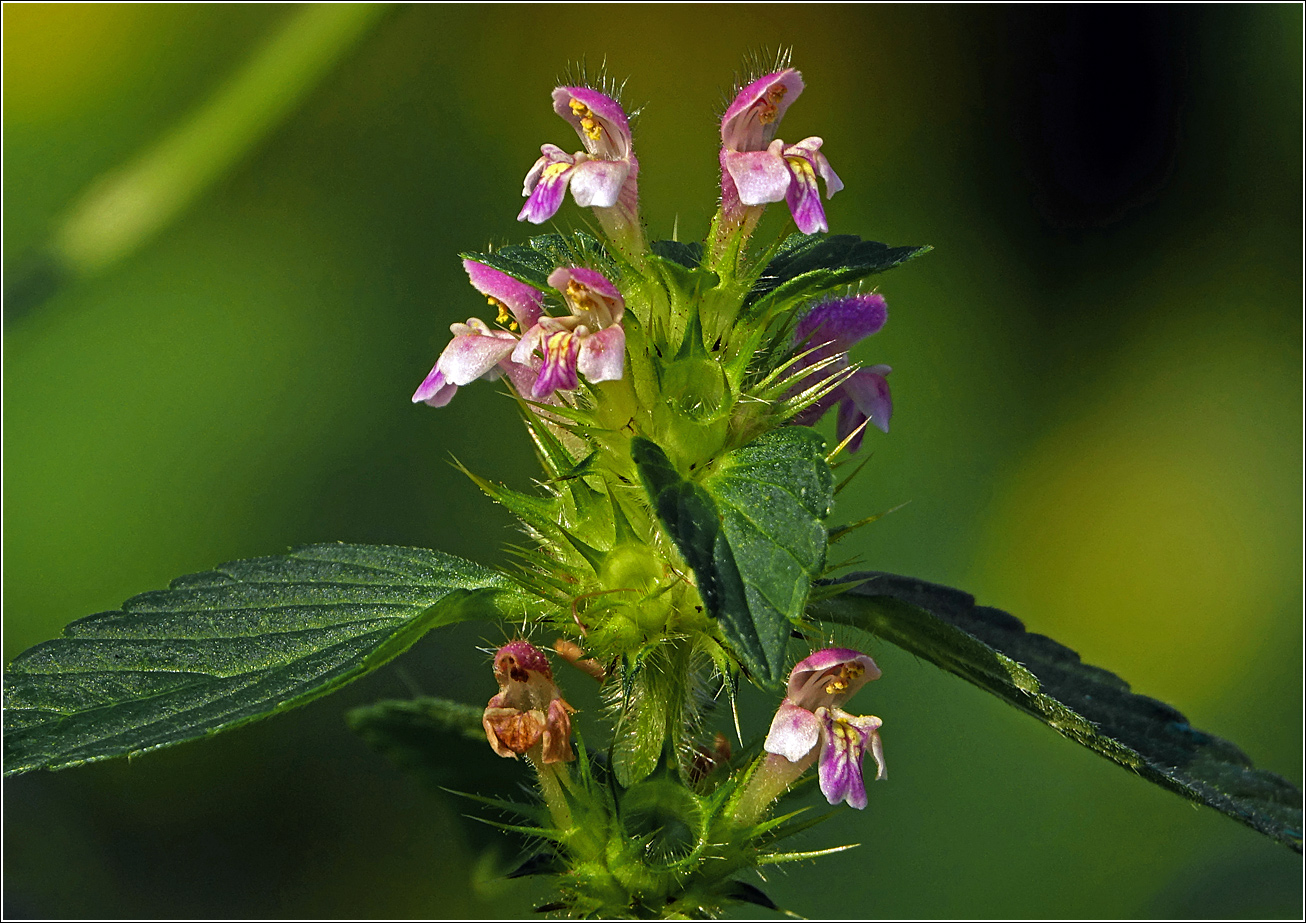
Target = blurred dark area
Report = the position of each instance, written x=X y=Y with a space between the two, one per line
x=1098 y=422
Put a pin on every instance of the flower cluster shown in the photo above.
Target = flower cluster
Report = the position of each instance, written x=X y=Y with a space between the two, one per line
x=541 y=354
x=652 y=369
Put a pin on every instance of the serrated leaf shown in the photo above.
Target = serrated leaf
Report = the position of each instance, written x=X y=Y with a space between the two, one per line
x=216 y=650
x=809 y=264
x=751 y=531
x=1087 y=704
x=525 y=264
x=533 y=261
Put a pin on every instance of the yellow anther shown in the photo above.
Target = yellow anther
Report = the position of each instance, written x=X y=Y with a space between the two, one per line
x=504 y=317
x=777 y=92
x=588 y=123
x=579 y=295
x=843 y=679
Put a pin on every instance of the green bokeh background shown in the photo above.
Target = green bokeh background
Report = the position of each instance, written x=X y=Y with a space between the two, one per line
x=1098 y=421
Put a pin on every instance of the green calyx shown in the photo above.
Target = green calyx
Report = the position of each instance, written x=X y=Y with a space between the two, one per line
x=664 y=847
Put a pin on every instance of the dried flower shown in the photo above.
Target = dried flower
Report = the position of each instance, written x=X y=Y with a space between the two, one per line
x=529 y=715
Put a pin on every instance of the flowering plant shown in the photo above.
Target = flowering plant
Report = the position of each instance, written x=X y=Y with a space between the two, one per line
x=678 y=551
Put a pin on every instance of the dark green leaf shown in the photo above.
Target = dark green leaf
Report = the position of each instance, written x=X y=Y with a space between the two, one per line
x=574 y=249
x=809 y=264
x=751 y=531
x=533 y=261
x=219 y=649
x=687 y=255
x=522 y=263
x=1089 y=705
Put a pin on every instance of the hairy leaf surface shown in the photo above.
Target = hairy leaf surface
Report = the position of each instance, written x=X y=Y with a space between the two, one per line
x=1091 y=706
x=219 y=649
x=533 y=261
x=751 y=531
x=809 y=264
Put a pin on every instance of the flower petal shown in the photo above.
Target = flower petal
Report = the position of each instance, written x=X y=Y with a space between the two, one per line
x=435 y=390
x=829 y=677
x=759 y=176
x=866 y=396
x=526 y=302
x=598 y=119
x=592 y=298
x=794 y=732
x=837 y=325
x=546 y=184
x=603 y=355
x=810 y=150
x=843 y=741
x=511 y=731
x=471 y=355
x=531 y=340
x=521 y=375
x=557 y=733
x=751 y=121
x=804 y=198
x=559 y=369
x=597 y=183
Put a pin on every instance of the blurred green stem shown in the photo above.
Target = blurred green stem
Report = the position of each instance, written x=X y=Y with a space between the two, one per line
x=126 y=206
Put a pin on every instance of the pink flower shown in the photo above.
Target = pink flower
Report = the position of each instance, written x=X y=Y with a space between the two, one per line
x=810 y=717
x=589 y=342
x=602 y=176
x=477 y=350
x=757 y=168
x=529 y=715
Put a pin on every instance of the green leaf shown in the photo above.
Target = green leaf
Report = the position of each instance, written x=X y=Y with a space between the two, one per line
x=219 y=649
x=808 y=264
x=533 y=261
x=751 y=531
x=525 y=264
x=1091 y=706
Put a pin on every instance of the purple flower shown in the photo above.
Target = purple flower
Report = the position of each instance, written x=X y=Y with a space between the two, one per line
x=589 y=342
x=603 y=176
x=478 y=351
x=810 y=717
x=829 y=330
x=758 y=168
x=844 y=739
x=529 y=715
